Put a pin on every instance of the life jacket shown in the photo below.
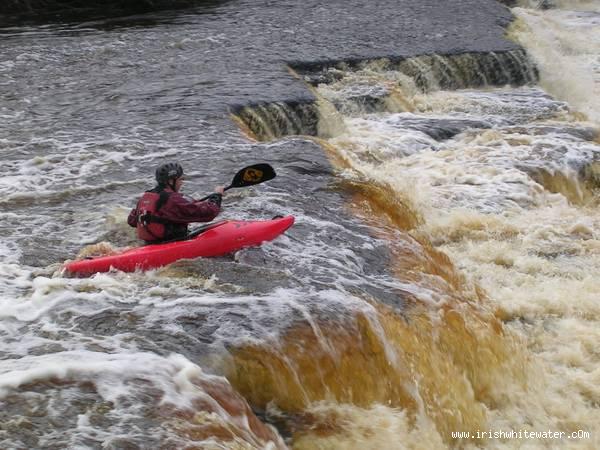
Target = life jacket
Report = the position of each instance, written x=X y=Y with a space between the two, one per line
x=150 y=227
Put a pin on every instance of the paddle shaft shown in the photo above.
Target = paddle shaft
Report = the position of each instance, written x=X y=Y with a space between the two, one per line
x=206 y=198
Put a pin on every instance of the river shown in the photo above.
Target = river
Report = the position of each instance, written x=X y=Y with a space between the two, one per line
x=442 y=163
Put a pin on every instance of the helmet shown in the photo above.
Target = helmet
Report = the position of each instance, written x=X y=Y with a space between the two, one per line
x=165 y=172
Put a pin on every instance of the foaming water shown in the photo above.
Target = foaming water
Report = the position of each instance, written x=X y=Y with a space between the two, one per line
x=117 y=392
x=564 y=42
x=499 y=179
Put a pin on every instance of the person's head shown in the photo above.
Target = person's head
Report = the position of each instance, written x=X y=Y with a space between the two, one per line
x=170 y=175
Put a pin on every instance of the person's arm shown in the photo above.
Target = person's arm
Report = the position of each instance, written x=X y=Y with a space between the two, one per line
x=180 y=210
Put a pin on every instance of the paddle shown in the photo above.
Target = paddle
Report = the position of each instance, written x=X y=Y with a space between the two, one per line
x=249 y=176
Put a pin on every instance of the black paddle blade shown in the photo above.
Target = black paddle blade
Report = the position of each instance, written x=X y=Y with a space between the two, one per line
x=251 y=175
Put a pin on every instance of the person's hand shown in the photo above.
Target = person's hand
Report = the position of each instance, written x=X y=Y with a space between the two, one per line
x=220 y=190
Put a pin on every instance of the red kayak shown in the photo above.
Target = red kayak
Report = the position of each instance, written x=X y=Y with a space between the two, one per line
x=217 y=239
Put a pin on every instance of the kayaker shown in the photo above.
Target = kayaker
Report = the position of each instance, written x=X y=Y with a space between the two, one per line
x=163 y=213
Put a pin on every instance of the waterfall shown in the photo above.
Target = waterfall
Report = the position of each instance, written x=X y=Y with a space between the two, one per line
x=427 y=73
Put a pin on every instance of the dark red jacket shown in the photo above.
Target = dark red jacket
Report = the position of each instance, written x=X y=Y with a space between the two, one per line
x=179 y=211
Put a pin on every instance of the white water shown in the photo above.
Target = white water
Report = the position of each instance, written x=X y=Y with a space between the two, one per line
x=531 y=243
x=536 y=255
x=565 y=43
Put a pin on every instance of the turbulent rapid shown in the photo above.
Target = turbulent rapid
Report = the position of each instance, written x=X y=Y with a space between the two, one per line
x=441 y=276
